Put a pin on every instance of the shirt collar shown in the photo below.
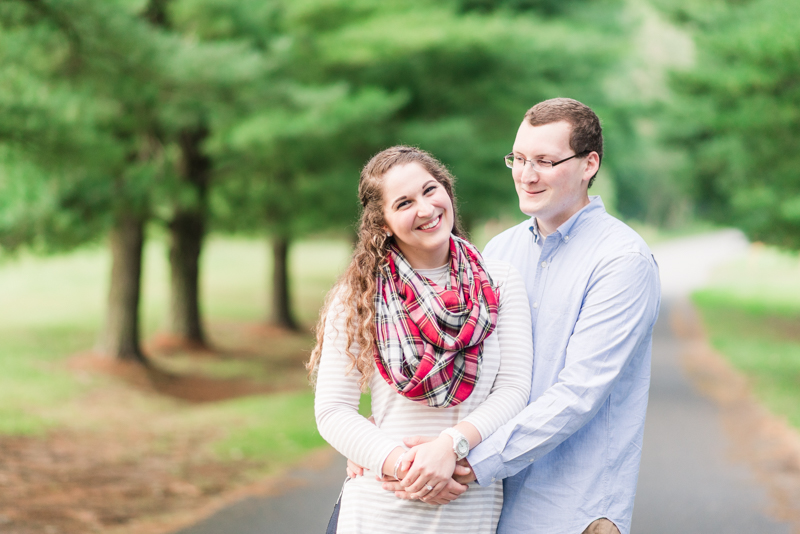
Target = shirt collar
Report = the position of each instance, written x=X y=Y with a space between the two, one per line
x=574 y=223
x=533 y=226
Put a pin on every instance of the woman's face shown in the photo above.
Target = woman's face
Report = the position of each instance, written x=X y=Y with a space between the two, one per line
x=419 y=213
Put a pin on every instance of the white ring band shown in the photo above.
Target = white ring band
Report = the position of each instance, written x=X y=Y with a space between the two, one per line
x=429 y=488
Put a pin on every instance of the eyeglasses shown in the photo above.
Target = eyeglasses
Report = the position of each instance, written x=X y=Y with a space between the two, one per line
x=517 y=163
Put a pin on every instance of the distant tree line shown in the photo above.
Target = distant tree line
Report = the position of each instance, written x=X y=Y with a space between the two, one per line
x=255 y=116
x=733 y=123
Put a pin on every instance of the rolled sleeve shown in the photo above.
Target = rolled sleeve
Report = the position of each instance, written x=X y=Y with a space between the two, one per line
x=487 y=464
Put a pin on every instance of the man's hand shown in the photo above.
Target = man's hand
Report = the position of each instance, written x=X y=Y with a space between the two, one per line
x=353 y=469
x=464 y=473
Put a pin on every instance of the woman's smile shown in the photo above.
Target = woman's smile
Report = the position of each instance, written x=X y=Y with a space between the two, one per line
x=432 y=224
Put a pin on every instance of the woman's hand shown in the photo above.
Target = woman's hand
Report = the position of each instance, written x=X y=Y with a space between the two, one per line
x=429 y=465
x=451 y=492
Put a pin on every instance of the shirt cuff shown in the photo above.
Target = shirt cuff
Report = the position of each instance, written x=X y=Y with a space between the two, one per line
x=486 y=464
x=378 y=468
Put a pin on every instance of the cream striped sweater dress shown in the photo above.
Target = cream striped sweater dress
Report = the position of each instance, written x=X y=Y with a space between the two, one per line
x=502 y=391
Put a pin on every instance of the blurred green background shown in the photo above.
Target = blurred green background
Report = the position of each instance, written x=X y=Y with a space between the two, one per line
x=178 y=187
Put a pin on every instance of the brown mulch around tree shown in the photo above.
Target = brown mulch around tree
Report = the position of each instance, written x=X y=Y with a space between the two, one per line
x=125 y=467
x=88 y=482
x=77 y=484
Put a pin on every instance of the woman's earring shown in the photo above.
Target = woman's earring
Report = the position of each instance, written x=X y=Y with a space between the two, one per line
x=388 y=234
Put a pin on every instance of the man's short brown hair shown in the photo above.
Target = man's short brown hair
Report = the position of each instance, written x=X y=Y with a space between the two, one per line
x=586 y=135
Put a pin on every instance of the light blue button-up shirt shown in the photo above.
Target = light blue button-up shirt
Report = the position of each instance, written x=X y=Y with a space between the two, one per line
x=572 y=455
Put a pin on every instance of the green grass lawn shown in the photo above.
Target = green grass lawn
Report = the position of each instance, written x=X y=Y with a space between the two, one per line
x=53 y=308
x=752 y=315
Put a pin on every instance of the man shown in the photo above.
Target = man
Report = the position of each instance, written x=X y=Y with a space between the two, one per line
x=570 y=460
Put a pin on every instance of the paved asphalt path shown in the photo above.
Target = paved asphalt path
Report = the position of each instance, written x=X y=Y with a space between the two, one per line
x=305 y=508
x=687 y=484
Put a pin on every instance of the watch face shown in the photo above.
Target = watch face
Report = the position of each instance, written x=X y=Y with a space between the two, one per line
x=463 y=447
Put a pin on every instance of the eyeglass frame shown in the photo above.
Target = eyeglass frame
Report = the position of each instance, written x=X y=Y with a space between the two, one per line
x=552 y=163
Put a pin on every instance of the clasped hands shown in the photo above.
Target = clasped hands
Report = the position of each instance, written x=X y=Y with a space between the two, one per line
x=429 y=463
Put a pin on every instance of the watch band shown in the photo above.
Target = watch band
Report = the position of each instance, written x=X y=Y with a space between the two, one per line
x=460 y=442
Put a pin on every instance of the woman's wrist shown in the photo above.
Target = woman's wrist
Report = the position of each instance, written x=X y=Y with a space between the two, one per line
x=396 y=469
x=444 y=444
x=458 y=441
x=392 y=462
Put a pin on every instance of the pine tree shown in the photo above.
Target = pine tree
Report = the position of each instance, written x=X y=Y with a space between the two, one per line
x=107 y=107
x=737 y=116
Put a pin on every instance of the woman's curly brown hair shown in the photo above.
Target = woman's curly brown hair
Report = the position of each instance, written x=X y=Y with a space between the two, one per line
x=357 y=285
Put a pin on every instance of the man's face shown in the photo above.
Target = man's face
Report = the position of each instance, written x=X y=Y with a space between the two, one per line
x=551 y=196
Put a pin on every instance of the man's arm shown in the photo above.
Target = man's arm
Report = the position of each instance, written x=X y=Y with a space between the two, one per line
x=615 y=322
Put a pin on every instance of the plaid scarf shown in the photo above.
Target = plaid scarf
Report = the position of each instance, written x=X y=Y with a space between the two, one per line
x=429 y=342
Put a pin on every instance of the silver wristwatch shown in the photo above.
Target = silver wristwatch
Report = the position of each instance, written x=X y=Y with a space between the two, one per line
x=460 y=443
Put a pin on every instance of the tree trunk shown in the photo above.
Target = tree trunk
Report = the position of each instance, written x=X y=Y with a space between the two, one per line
x=121 y=335
x=156 y=12
x=187 y=230
x=281 y=301
x=186 y=239
x=187 y=227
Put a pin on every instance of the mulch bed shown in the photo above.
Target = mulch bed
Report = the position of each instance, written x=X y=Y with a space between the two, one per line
x=68 y=483
x=127 y=475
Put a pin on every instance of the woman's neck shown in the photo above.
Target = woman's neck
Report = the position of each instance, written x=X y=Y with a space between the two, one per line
x=423 y=259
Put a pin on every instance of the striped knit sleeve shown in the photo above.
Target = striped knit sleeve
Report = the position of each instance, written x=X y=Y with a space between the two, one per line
x=337 y=398
x=511 y=388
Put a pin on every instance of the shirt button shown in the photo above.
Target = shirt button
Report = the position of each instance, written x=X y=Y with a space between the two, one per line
x=544 y=264
x=566 y=238
x=535 y=304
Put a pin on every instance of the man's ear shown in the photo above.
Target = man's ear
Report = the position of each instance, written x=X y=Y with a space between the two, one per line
x=592 y=165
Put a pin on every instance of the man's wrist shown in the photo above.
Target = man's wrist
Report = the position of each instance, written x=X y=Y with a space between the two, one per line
x=486 y=464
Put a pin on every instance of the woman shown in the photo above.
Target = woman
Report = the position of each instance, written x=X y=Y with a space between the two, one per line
x=440 y=337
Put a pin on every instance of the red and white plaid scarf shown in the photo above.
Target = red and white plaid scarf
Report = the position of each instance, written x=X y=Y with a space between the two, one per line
x=429 y=342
